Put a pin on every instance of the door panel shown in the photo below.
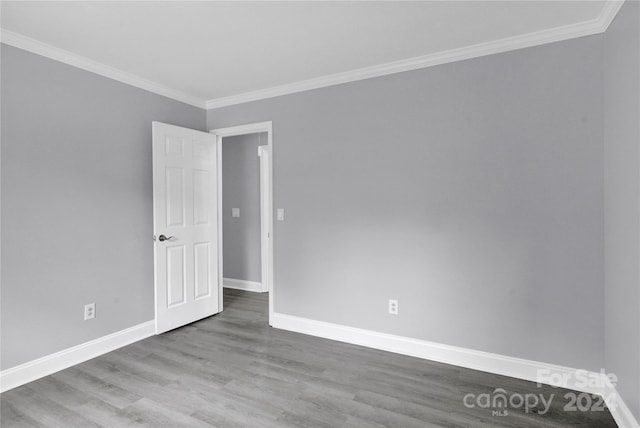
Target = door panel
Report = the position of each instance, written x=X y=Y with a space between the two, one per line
x=185 y=211
x=201 y=195
x=175 y=275
x=202 y=269
x=175 y=197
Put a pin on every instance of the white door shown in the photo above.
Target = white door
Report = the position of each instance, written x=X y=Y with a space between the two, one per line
x=185 y=210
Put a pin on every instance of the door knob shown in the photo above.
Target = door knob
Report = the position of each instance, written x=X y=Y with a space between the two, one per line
x=163 y=238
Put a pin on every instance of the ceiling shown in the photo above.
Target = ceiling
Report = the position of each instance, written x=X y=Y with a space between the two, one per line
x=219 y=50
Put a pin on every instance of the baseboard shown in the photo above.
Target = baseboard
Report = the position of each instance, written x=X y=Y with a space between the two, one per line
x=33 y=370
x=241 y=284
x=620 y=412
x=477 y=360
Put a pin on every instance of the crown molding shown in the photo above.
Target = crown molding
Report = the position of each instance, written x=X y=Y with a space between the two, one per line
x=608 y=13
x=581 y=29
x=35 y=46
x=587 y=28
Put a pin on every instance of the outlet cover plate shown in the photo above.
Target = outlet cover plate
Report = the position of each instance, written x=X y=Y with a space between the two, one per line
x=393 y=307
x=89 y=311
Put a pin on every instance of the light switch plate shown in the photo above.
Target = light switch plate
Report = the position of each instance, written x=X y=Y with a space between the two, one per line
x=280 y=214
x=235 y=212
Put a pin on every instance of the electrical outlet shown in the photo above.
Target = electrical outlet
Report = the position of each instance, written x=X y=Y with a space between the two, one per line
x=89 y=311
x=393 y=307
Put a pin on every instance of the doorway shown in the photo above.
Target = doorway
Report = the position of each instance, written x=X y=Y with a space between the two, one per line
x=247 y=270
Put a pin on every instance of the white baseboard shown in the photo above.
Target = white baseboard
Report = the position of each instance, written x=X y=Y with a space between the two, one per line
x=33 y=370
x=477 y=360
x=241 y=284
x=621 y=413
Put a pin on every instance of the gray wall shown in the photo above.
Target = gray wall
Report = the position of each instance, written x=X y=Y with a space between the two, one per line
x=76 y=203
x=471 y=192
x=241 y=189
x=622 y=201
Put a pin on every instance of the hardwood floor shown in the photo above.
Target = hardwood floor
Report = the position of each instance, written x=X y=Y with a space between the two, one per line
x=233 y=370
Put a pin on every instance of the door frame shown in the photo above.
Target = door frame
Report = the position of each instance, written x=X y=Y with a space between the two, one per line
x=251 y=128
x=265 y=215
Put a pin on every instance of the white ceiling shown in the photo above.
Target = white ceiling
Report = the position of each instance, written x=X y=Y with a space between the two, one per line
x=212 y=50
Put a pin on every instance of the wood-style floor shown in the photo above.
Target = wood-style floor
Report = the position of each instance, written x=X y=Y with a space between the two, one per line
x=233 y=370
